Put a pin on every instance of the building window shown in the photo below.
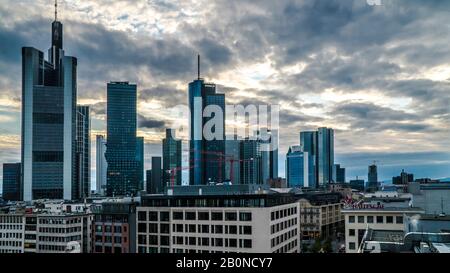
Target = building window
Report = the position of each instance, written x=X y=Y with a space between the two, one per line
x=351 y=219
x=153 y=240
x=164 y=215
x=217 y=216
x=164 y=228
x=192 y=228
x=177 y=215
x=190 y=216
x=247 y=230
x=389 y=219
x=218 y=229
x=245 y=216
x=352 y=246
x=153 y=216
x=247 y=243
x=370 y=219
x=230 y=216
x=361 y=219
x=142 y=216
x=142 y=227
x=153 y=228
x=380 y=220
x=399 y=219
x=203 y=216
x=164 y=240
x=232 y=229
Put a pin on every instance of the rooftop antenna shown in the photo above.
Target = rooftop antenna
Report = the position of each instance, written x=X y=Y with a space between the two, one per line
x=198 y=66
x=56 y=10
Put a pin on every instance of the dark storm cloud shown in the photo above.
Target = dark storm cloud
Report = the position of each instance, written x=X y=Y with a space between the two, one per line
x=98 y=109
x=167 y=95
x=149 y=123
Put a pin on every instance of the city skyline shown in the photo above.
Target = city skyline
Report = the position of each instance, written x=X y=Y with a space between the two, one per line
x=375 y=123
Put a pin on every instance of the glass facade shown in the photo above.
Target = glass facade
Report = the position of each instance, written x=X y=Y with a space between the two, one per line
x=250 y=162
x=11 y=182
x=122 y=172
x=299 y=168
x=171 y=159
x=155 y=184
x=83 y=153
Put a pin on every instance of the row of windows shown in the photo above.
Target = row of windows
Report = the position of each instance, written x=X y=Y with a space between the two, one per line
x=193 y=216
x=3 y=251
x=59 y=230
x=283 y=237
x=13 y=227
x=10 y=220
x=11 y=243
x=12 y=235
x=379 y=219
x=108 y=249
x=214 y=242
x=283 y=225
x=275 y=215
x=109 y=239
x=59 y=239
x=52 y=248
x=60 y=221
x=214 y=229
x=109 y=229
x=287 y=247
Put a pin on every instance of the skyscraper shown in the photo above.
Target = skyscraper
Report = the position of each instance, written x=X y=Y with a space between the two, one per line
x=83 y=153
x=338 y=174
x=320 y=144
x=171 y=159
x=49 y=91
x=206 y=156
x=122 y=174
x=325 y=156
x=101 y=165
x=140 y=161
x=232 y=164
x=299 y=168
x=156 y=178
x=11 y=182
x=250 y=162
x=269 y=153
x=372 y=184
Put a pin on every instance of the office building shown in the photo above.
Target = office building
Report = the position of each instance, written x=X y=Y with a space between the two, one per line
x=269 y=153
x=358 y=184
x=101 y=165
x=299 y=168
x=140 y=161
x=338 y=174
x=320 y=144
x=206 y=156
x=403 y=179
x=114 y=227
x=12 y=182
x=372 y=184
x=250 y=165
x=122 y=175
x=218 y=221
x=49 y=96
x=171 y=159
x=232 y=157
x=83 y=153
x=155 y=185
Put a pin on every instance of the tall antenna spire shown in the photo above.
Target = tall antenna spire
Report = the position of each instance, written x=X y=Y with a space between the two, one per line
x=56 y=10
x=198 y=66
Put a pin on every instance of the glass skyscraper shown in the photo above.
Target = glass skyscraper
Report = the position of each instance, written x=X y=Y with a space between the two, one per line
x=49 y=91
x=299 y=168
x=11 y=182
x=101 y=165
x=83 y=153
x=155 y=184
x=206 y=157
x=250 y=162
x=171 y=159
x=122 y=174
x=140 y=161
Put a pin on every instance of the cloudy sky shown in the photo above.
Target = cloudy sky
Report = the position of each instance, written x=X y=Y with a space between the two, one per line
x=378 y=75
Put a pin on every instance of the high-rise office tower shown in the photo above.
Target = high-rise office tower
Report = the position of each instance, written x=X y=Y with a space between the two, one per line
x=101 y=164
x=206 y=156
x=155 y=185
x=269 y=153
x=320 y=144
x=171 y=159
x=403 y=179
x=325 y=156
x=49 y=91
x=233 y=156
x=12 y=182
x=373 y=174
x=250 y=162
x=83 y=153
x=122 y=175
x=338 y=174
x=140 y=161
x=299 y=168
